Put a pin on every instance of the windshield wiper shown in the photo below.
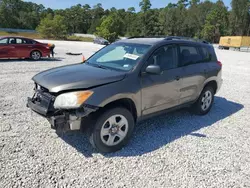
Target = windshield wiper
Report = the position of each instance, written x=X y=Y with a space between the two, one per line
x=97 y=65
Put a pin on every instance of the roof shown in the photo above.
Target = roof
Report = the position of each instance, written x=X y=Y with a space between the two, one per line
x=154 y=40
x=15 y=37
x=149 y=41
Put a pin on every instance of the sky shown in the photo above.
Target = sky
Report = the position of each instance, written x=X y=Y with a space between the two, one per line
x=107 y=4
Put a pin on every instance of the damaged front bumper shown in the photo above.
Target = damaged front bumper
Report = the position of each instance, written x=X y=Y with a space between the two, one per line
x=42 y=103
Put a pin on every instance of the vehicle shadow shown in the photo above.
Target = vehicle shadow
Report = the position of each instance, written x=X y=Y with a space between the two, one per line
x=30 y=60
x=155 y=133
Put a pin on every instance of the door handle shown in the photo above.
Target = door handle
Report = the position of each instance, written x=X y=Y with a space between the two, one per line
x=12 y=47
x=29 y=46
x=177 y=78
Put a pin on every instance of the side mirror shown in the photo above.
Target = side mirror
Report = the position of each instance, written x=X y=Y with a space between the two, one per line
x=153 y=69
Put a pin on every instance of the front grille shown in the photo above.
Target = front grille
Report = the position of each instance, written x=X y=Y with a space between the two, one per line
x=41 y=88
x=48 y=96
x=44 y=89
x=43 y=98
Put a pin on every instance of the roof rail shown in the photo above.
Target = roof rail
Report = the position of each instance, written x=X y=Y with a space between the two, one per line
x=133 y=37
x=172 y=38
x=159 y=36
x=185 y=38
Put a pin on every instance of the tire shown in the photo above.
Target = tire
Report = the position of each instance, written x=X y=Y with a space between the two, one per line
x=207 y=95
x=112 y=130
x=35 y=55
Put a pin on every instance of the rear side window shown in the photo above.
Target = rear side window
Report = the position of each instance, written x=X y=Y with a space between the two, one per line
x=19 y=41
x=189 y=55
x=28 y=41
x=31 y=42
x=25 y=41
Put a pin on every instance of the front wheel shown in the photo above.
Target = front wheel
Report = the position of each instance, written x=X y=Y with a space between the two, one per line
x=204 y=102
x=35 y=55
x=112 y=130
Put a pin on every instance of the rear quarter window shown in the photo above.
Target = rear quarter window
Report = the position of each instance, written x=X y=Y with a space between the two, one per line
x=208 y=54
x=29 y=41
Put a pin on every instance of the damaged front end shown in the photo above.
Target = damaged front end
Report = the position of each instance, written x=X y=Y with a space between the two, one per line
x=42 y=103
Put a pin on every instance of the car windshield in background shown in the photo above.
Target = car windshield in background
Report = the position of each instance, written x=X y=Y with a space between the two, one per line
x=121 y=56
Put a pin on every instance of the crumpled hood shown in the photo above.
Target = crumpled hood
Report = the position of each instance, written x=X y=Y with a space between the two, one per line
x=78 y=76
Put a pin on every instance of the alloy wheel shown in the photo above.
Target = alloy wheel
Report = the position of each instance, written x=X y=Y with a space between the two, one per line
x=206 y=100
x=36 y=55
x=114 y=130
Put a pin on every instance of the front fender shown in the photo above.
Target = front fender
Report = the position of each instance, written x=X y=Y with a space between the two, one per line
x=116 y=97
x=108 y=93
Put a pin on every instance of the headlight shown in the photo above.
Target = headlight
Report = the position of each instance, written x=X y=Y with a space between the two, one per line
x=72 y=99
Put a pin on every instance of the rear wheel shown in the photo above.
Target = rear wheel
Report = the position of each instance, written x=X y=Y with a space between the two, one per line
x=35 y=55
x=112 y=130
x=205 y=101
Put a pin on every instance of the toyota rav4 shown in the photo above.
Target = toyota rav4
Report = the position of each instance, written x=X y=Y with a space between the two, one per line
x=126 y=82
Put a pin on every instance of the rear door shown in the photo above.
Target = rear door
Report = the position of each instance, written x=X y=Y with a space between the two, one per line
x=195 y=71
x=24 y=47
x=4 y=48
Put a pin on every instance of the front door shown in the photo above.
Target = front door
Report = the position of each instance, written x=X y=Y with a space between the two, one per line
x=12 y=51
x=162 y=91
x=4 y=50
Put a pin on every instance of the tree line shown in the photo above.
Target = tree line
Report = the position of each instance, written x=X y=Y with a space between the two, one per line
x=190 y=18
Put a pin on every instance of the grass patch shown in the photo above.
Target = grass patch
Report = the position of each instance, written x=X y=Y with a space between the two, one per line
x=37 y=36
x=77 y=38
x=21 y=34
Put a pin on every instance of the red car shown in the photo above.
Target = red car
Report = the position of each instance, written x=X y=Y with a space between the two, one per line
x=20 y=47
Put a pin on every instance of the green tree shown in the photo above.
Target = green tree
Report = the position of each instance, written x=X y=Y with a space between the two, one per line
x=110 y=27
x=145 y=5
x=172 y=18
x=131 y=10
x=191 y=18
x=53 y=27
x=96 y=14
x=144 y=17
x=19 y=14
x=240 y=17
x=216 y=23
x=131 y=22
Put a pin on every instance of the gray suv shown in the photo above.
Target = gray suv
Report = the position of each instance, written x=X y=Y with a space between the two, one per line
x=126 y=82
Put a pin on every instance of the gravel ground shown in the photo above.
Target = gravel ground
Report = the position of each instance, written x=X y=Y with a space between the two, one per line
x=174 y=150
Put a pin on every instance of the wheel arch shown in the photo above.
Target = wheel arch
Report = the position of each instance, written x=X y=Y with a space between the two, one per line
x=213 y=84
x=127 y=103
x=36 y=50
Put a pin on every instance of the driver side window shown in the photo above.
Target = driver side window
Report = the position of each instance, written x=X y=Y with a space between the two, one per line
x=4 y=41
x=165 y=57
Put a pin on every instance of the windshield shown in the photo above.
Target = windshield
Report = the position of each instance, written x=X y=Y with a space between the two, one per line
x=120 y=56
